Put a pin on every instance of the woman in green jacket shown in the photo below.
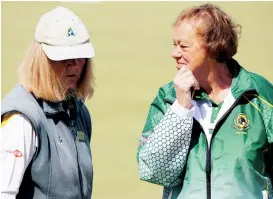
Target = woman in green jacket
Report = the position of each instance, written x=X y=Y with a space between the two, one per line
x=209 y=132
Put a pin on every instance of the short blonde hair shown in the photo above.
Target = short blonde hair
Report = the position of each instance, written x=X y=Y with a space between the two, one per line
x=37 y=76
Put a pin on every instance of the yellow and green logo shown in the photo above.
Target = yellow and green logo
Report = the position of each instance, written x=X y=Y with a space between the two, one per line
x=241 y=122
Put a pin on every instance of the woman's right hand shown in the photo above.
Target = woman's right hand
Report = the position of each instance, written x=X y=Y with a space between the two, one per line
x=183 y=82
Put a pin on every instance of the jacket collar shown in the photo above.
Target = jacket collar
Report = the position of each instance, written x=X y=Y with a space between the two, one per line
x=52 y=108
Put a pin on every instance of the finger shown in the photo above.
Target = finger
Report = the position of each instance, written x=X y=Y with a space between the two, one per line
x=182 y=70
x=184 y=74
x=195 y=84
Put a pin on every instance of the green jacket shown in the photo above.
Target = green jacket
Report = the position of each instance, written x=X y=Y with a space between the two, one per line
x=173 y=150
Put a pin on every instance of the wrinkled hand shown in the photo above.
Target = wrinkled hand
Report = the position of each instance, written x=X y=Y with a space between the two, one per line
x=183 y=82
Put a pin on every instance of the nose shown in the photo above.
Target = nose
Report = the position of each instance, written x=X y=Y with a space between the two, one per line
x=176 y=53
x=73 y=62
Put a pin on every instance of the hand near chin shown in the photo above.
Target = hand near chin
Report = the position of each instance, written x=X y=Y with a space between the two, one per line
x=183 y=82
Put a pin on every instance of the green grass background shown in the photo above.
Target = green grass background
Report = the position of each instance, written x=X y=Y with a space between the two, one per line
x=133 y=42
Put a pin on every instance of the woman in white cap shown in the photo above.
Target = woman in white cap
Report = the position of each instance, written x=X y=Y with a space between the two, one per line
x=46 y=128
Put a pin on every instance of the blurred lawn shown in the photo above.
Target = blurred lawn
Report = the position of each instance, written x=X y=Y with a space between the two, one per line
x=133 y=41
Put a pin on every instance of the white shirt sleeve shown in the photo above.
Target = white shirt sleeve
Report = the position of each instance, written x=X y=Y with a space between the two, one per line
x=181 y=111
x=18 y=145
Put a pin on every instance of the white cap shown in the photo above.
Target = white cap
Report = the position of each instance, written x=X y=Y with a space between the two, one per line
x=63 y=35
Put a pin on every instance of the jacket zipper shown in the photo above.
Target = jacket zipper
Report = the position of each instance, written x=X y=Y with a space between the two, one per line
x=208 y=156
x=74 y=132
x=207 y=174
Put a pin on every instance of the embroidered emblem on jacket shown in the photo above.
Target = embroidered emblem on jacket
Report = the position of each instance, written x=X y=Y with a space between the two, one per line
x=241 y=122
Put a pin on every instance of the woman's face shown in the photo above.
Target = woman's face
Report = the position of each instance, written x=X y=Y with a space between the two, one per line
x=69 y=71
x=188 y=51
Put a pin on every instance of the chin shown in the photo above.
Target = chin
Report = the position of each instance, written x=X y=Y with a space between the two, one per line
x=72 y=87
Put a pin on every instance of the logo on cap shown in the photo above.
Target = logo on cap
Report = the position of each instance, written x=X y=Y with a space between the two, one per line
x=70 y=32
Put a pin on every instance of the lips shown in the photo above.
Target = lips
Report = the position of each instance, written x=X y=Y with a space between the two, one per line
x=72 y=77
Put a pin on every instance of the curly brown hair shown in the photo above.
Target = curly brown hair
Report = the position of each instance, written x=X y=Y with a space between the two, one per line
x=217 y=31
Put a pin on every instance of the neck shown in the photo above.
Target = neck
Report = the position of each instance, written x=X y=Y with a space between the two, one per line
x=70 y=94
x=217 y=81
